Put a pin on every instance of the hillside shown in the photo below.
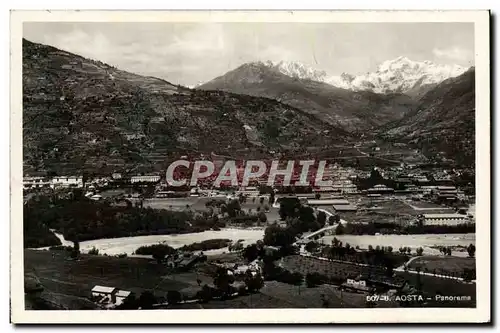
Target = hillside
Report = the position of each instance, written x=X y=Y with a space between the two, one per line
x=80 y=115
x=443 y=122
x=353 y=111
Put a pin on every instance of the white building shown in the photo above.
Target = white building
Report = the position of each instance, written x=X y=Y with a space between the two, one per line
x=67 y=181
x=145 y=179
x=109 y=296
x=35 y=182
x=445 y=219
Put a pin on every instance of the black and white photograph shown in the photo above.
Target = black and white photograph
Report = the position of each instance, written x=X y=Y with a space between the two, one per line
x=181 y=164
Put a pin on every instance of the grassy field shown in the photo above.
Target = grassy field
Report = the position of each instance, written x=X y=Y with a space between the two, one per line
x=77 y=278
x=281 y=295
x=198 y=204
x=333 y=269
x=440 y=263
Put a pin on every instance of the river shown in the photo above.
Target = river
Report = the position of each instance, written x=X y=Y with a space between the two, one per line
x=114 y=246
x=413 y=241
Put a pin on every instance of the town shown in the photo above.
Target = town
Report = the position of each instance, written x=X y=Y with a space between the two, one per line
x=258 y=237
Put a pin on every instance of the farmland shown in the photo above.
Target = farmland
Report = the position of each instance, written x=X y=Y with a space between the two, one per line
x=443 y=263
x=62 y=276
x=332 y=269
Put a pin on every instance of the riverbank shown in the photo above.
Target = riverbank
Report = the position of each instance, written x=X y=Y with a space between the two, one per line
x=128 y=245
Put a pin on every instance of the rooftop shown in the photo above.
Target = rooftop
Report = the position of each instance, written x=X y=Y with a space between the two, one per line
x=444 y=216
x=103 y=289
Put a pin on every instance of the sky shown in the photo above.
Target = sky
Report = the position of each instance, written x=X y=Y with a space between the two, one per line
x=192 y=53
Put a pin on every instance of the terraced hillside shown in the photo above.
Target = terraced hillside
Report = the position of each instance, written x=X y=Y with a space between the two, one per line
x=81 y=115
x=443 y=122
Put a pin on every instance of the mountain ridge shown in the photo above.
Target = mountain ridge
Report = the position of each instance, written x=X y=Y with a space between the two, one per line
x=443 y=123
x=81 y=115
x=351 y=110
x=399 y=75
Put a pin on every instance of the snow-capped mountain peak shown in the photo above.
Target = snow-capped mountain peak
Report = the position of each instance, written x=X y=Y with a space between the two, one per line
x=297 y=69
x=398 y=75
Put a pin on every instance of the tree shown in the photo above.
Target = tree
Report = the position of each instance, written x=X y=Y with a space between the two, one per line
x=205 y=294
x=75 y=253
x=321 y=218
x=254 y=282
x=233 y=208
x=94 y=251
x=262 y=217
x=159 y=252
x=174 y=297
x=146 y=300
x=389 y=267
x=271 y=198
x=314 y=279
x=129 y=303
x=251 y=252
x=274 y=235
x=288 y=207
x=420 y=251
x=471 y=249
x=311 y=246
x=223 y=280
x=339 y=230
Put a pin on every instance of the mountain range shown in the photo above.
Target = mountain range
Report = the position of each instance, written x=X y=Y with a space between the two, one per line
x=355 y=111
x=83 y=115
x=400 y=75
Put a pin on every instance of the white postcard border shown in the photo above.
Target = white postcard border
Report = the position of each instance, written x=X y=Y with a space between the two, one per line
x=393 y=315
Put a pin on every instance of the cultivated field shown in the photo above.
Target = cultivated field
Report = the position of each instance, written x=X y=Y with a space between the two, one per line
x=443 y=263
x=76 y=278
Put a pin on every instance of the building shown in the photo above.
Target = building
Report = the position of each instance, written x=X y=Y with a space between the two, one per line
x=35 y=182
x=250 y=191
x=345 y=208
x=67 y=181
x=444 y=219
x=327 y=202
x=356 y=285
x=145 y=179
x=380 y=189
x=109 y=296
x=116 y=175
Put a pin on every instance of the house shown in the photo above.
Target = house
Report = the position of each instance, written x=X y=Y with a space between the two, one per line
x=35 y=182
x=356 y=284
x=67 y=181
x=109 y=296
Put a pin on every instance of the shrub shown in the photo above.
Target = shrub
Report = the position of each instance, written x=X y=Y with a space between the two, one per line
x=174 y=297
x=94 y=251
